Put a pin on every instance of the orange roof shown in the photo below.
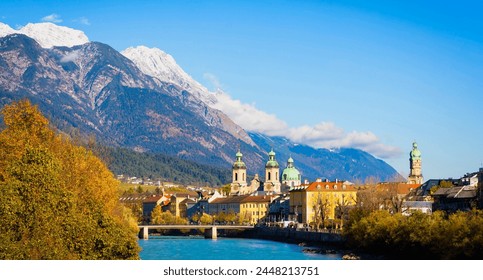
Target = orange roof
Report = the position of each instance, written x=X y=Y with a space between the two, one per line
x=258 y=198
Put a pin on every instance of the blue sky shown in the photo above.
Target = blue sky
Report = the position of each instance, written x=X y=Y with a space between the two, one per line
x=376 y=74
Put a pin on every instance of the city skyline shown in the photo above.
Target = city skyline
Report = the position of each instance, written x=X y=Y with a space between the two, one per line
x=371 y=76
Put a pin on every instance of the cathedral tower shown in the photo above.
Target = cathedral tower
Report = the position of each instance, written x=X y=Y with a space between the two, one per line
x=415 y=174
x=272 y=180
x=239 y=171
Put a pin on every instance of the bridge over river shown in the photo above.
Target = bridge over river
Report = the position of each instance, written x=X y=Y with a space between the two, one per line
x=211 y=231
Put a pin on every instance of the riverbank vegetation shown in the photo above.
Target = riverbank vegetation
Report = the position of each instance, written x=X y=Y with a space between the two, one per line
x=418 y=236
x=57 y=200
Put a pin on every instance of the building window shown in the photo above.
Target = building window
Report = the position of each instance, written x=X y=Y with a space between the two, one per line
x=236 y=176
x=326 y=187
x=335 y=187
x=269 y=177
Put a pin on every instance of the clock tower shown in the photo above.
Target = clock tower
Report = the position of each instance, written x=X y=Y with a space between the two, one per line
x=415 y=174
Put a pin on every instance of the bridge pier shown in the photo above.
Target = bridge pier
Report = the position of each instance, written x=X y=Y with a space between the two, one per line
x=145 y=233
x=211 y=233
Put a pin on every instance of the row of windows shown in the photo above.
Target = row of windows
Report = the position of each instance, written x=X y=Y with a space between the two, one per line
x=319 y=187
x=336 y=195
x=269 y=175
x=258 y=213
x=251 y=205
x=236 y=177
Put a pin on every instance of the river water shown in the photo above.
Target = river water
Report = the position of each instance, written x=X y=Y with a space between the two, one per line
x=199 y=248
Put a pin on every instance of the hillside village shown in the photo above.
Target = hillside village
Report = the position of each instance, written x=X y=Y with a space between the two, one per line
x=285 y=200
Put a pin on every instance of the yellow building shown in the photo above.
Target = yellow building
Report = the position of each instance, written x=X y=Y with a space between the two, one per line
x=319 y=200
x=255 y=208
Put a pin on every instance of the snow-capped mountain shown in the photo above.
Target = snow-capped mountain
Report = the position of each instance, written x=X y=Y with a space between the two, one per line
x=48 y=34
x=158 y=64
x=6 y=30
x=95 y=89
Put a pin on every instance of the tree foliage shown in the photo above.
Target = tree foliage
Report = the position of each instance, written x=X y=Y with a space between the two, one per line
x=203 y=219
x=158 y=217
x=418 y=236
x=321 y=210
x=57 y=200
x=168 y=168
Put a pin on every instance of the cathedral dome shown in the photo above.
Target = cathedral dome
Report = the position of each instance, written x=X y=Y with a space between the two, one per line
x=290 y=173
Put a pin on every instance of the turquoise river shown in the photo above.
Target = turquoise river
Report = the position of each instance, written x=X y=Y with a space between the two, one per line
x=199 y=248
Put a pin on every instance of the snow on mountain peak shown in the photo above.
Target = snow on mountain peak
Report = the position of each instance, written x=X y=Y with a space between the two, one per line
x=156 y=63
x=48 y=34
x=6 y=30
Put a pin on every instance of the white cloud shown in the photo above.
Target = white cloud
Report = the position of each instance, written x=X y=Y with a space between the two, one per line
x=248 y=116
x=72 y=56
x=83 y=20
x=213 y=80
x=55 y=18
x=322 y=135
x=317 y=135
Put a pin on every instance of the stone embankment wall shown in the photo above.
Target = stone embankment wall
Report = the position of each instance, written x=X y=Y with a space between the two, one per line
x=296 y=236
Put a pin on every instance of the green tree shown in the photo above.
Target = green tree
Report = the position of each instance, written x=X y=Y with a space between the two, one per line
x=57 y=200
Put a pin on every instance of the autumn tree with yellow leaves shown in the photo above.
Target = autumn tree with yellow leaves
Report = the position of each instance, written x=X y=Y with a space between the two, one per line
x=57 y=200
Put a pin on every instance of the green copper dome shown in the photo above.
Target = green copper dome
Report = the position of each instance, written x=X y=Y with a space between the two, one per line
x=239 y=164
x=415 y=153
x=271 y=160
x=290 y=173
